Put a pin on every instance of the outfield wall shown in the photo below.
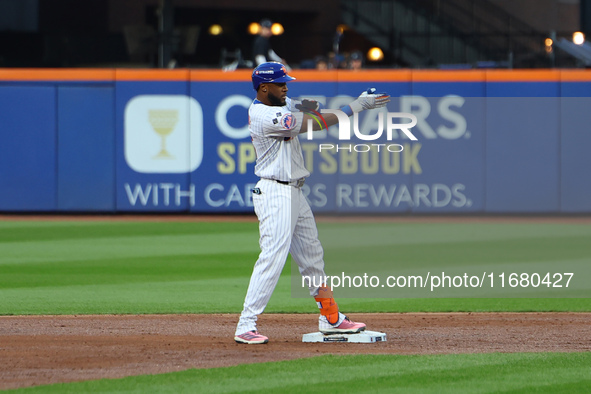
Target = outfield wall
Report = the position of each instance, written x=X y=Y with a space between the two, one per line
x=495 y=141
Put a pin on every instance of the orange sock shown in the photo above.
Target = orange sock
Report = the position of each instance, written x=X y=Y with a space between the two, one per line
x=327 y=304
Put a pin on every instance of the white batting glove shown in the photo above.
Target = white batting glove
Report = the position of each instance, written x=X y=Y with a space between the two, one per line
x=370 y=100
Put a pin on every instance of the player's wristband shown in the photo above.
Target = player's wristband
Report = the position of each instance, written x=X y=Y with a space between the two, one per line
x=347 y=110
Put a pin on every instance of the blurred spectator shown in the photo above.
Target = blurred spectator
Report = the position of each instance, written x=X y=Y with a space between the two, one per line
x=336 y=61
x=355 y=61
x=308 y=64
x=261 y=49
x=321 y=63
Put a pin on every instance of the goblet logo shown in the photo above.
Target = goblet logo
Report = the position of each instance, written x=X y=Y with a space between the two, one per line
x=163 y=122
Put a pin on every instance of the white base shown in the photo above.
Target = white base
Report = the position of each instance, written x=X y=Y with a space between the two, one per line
x=362 y=337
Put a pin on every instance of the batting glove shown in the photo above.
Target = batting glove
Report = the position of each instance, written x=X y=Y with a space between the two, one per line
x=370 y=100
x=308 y=105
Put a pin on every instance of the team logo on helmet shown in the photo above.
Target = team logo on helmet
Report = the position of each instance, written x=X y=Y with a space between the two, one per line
x=270 y=72
x=288 y=121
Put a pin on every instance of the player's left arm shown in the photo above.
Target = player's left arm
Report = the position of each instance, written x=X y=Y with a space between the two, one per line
x=311 y=115
x=311 y=110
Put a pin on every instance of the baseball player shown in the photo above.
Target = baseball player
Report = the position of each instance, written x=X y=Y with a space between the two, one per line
x=286 y=223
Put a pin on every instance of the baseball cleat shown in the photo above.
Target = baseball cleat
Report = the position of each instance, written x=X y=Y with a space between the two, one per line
x=251 y=338
x=346 y=327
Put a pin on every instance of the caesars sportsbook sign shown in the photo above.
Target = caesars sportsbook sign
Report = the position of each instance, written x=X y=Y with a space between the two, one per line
x=184 y=153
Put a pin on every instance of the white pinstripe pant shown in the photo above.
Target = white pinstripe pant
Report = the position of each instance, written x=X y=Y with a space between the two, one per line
x=286 y=225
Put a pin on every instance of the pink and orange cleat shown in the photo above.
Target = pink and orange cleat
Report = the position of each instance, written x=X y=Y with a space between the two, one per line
x=346 y=327
x=251 y=338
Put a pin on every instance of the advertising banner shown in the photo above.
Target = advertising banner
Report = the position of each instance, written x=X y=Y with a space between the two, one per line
x=86 y=148
x=28 y=148
x=494 y=141
x=158 y=143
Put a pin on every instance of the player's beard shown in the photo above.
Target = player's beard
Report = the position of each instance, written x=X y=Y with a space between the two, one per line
x=276 y=101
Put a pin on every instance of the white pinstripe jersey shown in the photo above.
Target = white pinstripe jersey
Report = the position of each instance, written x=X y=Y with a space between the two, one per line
x=274 y=132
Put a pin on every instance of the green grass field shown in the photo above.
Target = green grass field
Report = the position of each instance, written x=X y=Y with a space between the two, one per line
x=479 y=373
x=180 y=267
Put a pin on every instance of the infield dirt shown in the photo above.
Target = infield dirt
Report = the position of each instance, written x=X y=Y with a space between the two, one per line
x=37 y=350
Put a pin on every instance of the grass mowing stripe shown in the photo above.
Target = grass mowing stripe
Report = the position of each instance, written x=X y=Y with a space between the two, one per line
x=47 y=231
x=196 y=296
x=460 y=253
x=465 y=305
x=154 y=267
x=368 y=234
x=129 y=270
x=516 y=372
x=130 y=246
x=182 y=286
x=30 y=224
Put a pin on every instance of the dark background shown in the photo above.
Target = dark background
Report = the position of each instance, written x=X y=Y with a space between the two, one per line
x=91 y=33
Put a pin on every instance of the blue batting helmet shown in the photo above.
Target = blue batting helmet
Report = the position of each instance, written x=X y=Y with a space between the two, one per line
x=269 y=72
